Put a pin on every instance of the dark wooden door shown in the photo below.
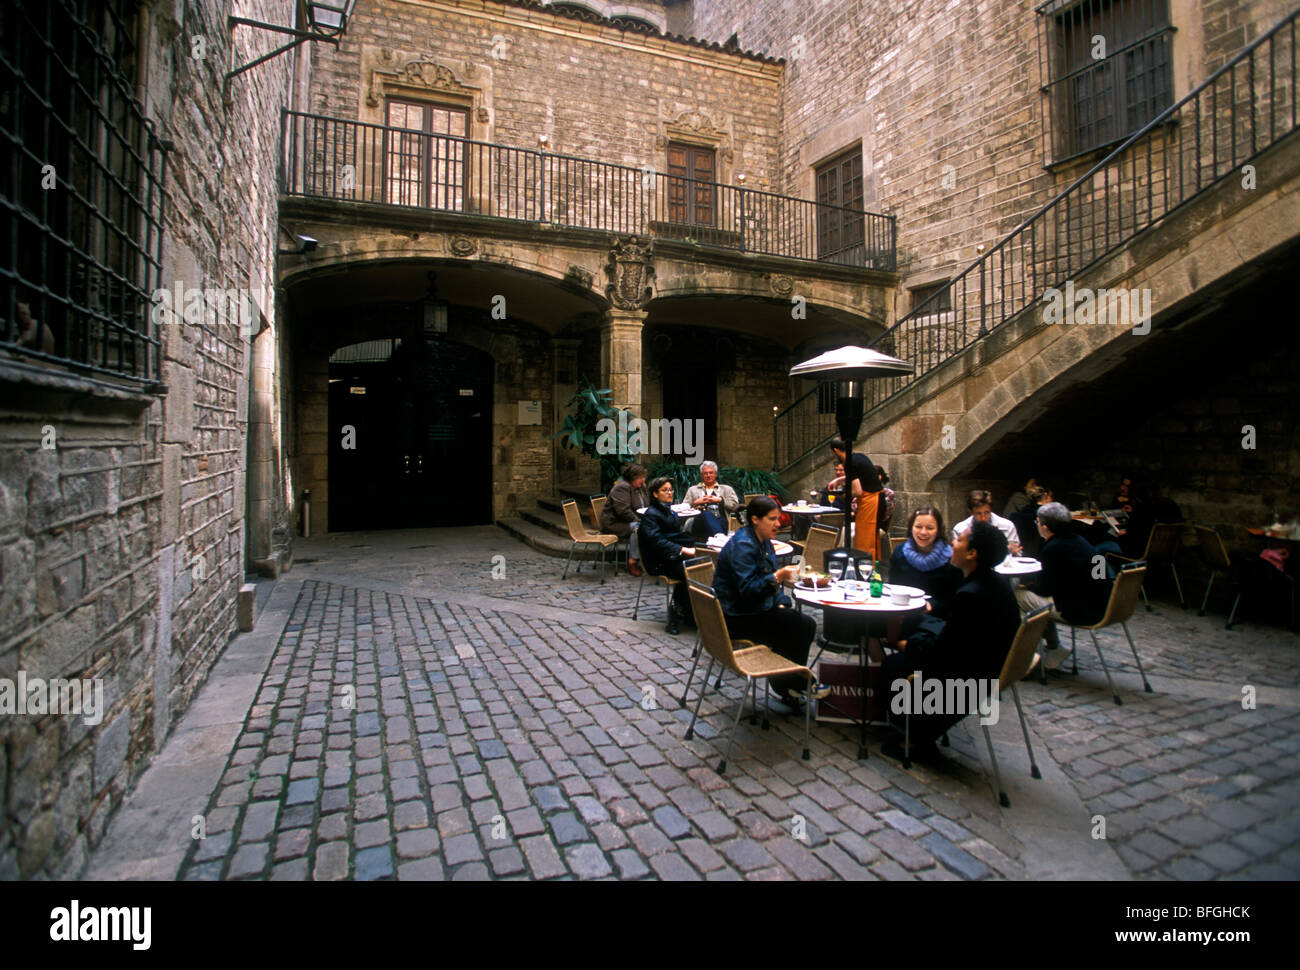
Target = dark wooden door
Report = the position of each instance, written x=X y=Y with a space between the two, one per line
x=421 y=438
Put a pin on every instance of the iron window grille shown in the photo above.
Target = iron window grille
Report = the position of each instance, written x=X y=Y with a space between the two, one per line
x=81 y=203
x=1109 y=70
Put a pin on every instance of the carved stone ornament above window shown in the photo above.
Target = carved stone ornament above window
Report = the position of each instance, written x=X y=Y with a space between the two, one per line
x=389 y=73
x=463 y=245
x=694 y=126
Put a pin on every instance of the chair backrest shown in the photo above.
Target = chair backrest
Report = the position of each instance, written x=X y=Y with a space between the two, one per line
x=1212 y=546
x=883 y=550
x=597 y=506
x=1164 y=542
x=1020 y=658
x=577 y=531
x=821 y=539
x=699 y=569
x=1124 y=594
x=733 y=524
x=712 y=625
x=895 y=542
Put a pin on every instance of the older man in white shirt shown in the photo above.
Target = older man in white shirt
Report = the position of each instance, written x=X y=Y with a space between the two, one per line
x=714 y=500
x=980 y=503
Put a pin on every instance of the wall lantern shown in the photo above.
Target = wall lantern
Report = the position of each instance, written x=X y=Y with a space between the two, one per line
x=325 y=21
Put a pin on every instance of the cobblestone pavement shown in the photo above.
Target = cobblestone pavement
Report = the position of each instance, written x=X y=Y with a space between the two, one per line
x=421 y=719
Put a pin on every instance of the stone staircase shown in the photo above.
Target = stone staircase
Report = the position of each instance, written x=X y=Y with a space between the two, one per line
x=543 y=526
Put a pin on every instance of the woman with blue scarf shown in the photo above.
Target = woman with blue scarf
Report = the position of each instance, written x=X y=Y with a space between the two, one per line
x=923 y=560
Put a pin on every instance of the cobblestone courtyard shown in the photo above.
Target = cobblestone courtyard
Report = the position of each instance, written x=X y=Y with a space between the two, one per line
x=405 y=711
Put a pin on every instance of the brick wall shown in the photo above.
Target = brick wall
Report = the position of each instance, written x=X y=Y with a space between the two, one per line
x=121 y=546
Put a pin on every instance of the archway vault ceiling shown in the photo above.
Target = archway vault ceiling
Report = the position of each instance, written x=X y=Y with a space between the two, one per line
x=555 y=305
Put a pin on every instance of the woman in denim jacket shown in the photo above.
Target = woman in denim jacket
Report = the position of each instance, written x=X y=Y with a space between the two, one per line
x=748 y=586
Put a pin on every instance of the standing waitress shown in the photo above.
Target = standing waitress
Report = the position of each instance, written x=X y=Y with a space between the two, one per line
x=865 y=485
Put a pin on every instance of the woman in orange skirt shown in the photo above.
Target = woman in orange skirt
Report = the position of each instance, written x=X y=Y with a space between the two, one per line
x=865 y=489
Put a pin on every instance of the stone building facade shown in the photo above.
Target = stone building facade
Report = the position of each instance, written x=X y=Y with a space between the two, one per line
x=124 y=529
x=447 y=221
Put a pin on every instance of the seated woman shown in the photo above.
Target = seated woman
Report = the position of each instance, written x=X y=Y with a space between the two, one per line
x=664 y=546
x=923 y=560
x=619 y=515
x=748 y=585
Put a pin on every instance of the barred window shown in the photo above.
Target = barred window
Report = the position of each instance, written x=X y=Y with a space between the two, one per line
x=1109 y=70
x=80 y=206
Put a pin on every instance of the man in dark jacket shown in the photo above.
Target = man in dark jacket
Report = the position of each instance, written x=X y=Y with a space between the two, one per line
x=1075 y=581
x=664 y=549
x=971 y=644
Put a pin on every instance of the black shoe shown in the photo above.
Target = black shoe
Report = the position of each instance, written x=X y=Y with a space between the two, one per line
x=672 y=627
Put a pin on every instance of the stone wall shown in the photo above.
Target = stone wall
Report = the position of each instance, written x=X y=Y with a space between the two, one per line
x=594 y=90
x=122 y=534
x=945 y=101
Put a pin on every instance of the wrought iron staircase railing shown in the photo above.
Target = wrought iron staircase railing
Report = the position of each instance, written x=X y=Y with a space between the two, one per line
x=1243 y=108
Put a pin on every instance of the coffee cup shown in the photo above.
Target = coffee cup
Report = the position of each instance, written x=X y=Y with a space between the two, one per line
x=901 y=597
x=803 y=502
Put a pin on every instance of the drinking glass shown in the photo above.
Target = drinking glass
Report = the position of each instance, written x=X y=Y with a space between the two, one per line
x=836 y=570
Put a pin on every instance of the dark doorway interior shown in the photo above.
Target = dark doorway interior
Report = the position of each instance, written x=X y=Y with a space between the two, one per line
x=690 y=388
x=420 y=448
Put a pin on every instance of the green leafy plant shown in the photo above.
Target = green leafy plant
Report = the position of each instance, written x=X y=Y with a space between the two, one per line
x=745 y=481
x=590 y=405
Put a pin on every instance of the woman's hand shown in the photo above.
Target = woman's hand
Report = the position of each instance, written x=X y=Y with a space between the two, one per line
x=688 y=550
x=786 y=574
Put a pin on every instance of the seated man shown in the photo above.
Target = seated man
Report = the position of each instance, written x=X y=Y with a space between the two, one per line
x=980 y=503
x=1075 y=581
x=714 y=500
x=971 y=643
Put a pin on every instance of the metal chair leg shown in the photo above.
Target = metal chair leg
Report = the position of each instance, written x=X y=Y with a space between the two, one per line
x=740 y=709
x=690 y=731
x=1232 y=612
x=1208 y=586
x=1106 y=669
x=640 y=586
x=694 y=666
x=1074 y=653
x=572 y=546
x=753 y=701
x=997 y=775
x=807 y=720
x=1178 y=586
x=767 y=707
x=1145 y=684
x=1143 y=588
x=1033 y=765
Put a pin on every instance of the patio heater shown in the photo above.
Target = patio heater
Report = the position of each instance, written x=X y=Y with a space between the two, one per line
x=850 y=368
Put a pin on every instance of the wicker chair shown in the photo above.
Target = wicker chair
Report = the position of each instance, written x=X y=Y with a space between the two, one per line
x=597 y=506
x=820 y=540
x=699 y=570
x=1162 y=547
x=733 y=524
x=581 y=537
x=1123 y=601
x=752 y=661
x=1216 y=557
x=668 y=582
x=1021 y=660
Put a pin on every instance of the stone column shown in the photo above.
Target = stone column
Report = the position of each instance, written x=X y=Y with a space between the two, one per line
x=620 y=356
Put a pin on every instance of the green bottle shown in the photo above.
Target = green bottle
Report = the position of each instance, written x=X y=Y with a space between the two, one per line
x=877 y=584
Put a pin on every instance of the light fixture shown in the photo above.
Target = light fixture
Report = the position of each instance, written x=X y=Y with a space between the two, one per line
x=741 y=178
x=303 y=244
x=435 y=310
x=325 y=21
x=543 y=141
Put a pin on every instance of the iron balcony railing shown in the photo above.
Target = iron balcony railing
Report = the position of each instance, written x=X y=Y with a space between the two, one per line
x=334 y=158
x=1210 y=135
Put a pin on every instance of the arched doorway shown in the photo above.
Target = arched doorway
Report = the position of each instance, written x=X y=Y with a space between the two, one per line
x=410 y=441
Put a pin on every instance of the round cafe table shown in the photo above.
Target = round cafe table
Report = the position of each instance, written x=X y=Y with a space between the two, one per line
x=809 y=511
x=841 y=598
x=713 y=546
x=681 y=511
